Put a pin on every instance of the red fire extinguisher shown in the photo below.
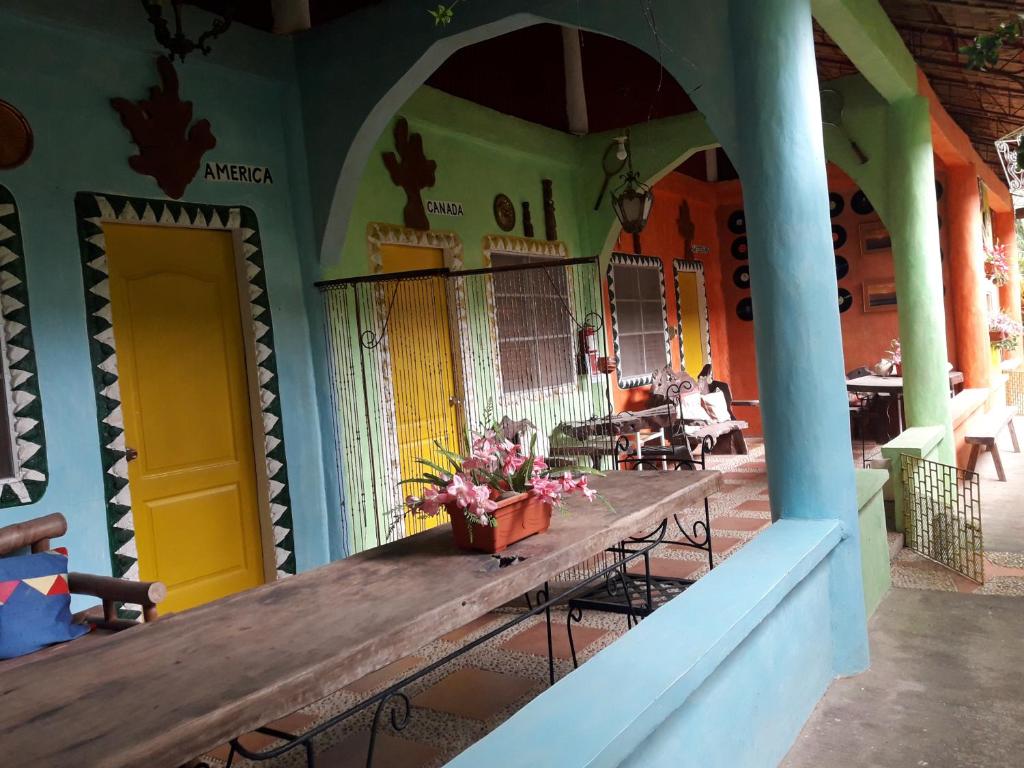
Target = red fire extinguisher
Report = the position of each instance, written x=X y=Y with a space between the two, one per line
x=588 y=351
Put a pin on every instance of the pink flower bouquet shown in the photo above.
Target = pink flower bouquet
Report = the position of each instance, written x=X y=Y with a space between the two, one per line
x=495 y=469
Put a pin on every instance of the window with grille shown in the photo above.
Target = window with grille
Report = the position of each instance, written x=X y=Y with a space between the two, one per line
x=637 y=290
x=535 y=333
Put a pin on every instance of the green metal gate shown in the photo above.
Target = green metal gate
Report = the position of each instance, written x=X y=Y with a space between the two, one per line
x=942 y=515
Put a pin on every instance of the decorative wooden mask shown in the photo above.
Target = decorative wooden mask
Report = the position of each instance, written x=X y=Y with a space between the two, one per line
x=169 y=149
x=413 y=173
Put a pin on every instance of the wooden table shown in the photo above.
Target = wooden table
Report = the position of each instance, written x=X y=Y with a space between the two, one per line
x=892 y=386
x=163 y=693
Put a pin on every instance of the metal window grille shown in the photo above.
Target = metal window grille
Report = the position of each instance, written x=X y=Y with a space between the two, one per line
x=942 y=515
x=414 y=357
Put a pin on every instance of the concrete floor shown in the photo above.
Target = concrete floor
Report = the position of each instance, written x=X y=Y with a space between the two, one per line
x=945 y=689
x=1002 y=504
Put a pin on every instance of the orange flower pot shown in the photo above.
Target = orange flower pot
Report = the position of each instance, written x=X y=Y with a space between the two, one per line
x=518 y=517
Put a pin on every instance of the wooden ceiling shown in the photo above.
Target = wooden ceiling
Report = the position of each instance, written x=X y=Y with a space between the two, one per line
x=986 y=105
x=521 y=73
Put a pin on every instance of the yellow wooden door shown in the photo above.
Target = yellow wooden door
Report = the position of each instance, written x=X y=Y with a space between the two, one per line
x=185 y=398
x=422 y=371
x=692 y=321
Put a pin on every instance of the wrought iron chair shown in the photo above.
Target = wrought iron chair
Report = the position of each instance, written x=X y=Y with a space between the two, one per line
x=865 y=409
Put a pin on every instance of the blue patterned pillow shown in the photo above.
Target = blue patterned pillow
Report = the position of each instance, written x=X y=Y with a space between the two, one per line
x=35 y=605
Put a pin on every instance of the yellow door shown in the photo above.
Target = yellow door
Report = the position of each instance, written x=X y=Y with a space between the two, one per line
x=185 y=398
x=421 y=366
x=692 y=321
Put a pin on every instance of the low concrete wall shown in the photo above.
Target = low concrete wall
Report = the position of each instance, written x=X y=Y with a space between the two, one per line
x=874 y=543
x=922 y=442
x=725 y=674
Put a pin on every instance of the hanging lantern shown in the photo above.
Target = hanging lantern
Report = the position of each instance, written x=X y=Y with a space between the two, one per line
x=633 y=199
x=177 y=43
x=1011 y=155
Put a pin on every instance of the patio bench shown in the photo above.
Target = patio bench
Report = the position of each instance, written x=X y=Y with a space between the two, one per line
x=983 y=432
x=34 y=536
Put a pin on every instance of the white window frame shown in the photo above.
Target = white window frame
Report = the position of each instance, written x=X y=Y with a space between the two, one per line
x=646 y=262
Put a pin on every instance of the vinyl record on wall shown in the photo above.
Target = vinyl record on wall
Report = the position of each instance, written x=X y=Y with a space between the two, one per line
x=940 y=222
x=838 y=236
x=860 y=203
x=835 y=204
x=745 y=309
x=737 y=222
x=741 y=277
x=842 y=267
x=739 y=248
x=938 y=190
x=845 y=299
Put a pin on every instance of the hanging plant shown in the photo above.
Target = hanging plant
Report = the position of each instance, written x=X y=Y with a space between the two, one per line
x=997 y=267
x=443 y=14
x=1004 y=331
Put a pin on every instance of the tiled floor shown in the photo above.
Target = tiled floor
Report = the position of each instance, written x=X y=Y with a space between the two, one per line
x=460 y=702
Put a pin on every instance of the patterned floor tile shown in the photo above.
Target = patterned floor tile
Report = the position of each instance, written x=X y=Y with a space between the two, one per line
x=535 y=640
x=474 y=693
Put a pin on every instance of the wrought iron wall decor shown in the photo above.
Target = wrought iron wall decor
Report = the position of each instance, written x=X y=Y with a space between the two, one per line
x=170 y=146
x=512 y=337
x=504 y=213
x=177 y=43
x=16 y=139
x=942 y=515
x=412 y=171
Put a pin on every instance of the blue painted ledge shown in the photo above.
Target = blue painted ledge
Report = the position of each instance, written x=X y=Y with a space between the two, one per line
x=601 y=714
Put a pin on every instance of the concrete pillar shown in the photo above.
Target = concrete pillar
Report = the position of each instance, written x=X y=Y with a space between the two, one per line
x=781 y=161
x=1005 y=232
x=967 y=276
x=913 y=226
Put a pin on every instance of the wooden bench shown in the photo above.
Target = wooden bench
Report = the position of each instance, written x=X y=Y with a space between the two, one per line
x=983 y=432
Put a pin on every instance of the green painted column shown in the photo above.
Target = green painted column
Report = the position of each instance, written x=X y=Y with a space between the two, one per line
x=913 y=225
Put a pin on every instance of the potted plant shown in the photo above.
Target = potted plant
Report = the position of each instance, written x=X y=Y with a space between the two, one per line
x=497 y=495
x=997 y=269
x=1003 y=331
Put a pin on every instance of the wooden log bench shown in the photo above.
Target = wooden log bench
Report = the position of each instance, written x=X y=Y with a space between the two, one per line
x=984 y=432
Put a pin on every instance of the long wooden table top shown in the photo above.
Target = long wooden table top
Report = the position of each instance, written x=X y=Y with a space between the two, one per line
x=890 y=384
x=166 y=692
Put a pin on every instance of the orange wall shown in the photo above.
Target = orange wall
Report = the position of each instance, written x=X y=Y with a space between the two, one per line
x=866 y=336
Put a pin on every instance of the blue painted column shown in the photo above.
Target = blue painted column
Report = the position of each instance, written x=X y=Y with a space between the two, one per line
x=797 y=337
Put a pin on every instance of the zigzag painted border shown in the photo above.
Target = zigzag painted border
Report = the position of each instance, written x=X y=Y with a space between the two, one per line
x=625 y=382
x=22 y=376
x=93 y=210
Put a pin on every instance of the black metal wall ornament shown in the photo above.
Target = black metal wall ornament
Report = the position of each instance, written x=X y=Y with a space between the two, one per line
x=835 y=204
x=838 y=236
x=741 y=277
x=177 y=43
x=745 y=309
x=550 y=223
x=527 y=220
x=845 y=300
x=842 y=267
x=737 y=222
x=860 y=203
x=504 y=212
x=738 y=249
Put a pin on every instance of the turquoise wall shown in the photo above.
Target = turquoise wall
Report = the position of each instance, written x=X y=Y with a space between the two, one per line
x=62 y=78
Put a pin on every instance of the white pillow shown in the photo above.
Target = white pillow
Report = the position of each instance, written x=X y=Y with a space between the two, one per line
x=715 y=406
x=692 y=409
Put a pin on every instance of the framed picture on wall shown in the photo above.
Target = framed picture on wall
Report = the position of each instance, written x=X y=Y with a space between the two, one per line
x=879 y=295
x=874 y=238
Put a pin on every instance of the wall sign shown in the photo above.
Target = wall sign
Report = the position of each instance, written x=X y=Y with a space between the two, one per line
x=701 y=250
x=444 y=208
x=243 y=174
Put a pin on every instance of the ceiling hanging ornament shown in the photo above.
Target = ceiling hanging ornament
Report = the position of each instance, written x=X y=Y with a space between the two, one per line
x=1011 y=156
x=632 y=200
x=177 y=43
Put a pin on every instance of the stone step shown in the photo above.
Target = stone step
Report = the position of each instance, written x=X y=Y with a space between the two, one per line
x=895 y=544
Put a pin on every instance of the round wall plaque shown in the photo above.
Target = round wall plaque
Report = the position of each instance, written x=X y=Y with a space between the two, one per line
x=15 y=137
x=504 y=212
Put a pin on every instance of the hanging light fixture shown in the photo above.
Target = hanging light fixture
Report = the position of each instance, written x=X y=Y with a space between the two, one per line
x=632 y=200
x=178 y=43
